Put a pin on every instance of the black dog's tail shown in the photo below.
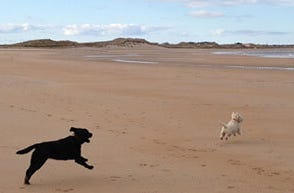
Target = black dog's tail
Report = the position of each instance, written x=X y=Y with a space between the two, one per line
x=27 y=150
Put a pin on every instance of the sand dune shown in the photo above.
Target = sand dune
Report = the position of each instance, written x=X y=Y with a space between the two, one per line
x=155 y=124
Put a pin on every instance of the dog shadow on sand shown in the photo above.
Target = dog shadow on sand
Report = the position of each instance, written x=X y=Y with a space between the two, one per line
x=68 y=184
x=241 y=142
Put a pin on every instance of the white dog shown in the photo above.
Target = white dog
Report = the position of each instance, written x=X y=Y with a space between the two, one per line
x=232 y=127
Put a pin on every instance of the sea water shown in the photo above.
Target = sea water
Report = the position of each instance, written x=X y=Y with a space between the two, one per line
x=120 y=58
x=273 y=53
x=261 y=53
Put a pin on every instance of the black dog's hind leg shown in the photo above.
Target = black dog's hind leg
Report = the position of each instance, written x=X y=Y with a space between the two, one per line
x=37 y=162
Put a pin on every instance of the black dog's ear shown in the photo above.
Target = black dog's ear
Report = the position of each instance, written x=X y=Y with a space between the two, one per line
x=73 y=129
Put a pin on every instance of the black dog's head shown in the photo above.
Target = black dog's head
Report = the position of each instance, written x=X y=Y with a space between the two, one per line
x=82 y=134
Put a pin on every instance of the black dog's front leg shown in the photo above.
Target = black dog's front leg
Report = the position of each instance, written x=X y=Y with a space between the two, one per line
x=82 y=161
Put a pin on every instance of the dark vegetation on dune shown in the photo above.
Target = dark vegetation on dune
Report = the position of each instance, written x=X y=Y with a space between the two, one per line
x=131 y=42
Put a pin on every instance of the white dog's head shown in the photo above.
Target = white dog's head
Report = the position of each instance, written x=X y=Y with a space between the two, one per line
x=237 y=117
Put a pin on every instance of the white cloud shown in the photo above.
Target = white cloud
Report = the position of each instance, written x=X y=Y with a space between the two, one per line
x=8 y=28
x=219 y=32
x=206 y=14
x=82 y=29
x=197 y=4
x=208 y=3
x=257 y=33
x=111 y=29
x=16 y=28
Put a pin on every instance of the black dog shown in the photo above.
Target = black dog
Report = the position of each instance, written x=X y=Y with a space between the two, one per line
x=68 y=148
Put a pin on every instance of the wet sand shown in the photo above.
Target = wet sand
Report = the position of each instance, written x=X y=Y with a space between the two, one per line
x=155 y=114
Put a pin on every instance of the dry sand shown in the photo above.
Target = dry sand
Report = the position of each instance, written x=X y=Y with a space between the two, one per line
x=155 y=124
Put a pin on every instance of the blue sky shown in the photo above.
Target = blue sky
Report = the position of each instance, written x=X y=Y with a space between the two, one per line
x=222 y=21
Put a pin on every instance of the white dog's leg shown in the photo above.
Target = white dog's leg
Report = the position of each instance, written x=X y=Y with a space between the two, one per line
x=223 y=131
x=229 y=135
x=222 y=134
x=238 y=131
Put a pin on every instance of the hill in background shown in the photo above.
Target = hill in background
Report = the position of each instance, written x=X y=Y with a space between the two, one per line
x=131 y=42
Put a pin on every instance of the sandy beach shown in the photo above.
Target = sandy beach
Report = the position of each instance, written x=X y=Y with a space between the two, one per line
x=155 y=114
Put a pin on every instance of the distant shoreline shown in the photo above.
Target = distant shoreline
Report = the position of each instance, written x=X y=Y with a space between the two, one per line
x=133 y=42
x=273 y=53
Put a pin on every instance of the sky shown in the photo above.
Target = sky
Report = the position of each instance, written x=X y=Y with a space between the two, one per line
x=173 y=21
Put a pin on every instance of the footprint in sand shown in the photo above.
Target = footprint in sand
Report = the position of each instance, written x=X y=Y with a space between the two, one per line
x=64 y=190
x=193 y=149
x=165 y=170
x=27 y=110
x=272 y=188
x=148 y=165
x=67 y=120
x=156 y=141
x=275 y=173
x=131 y=177
x=143 y=165
x=97 y=127
x=179 y=148
x=114 y=178
x=118 y=133
x=260 y=171
x=89 y=114
x=189 y=156
x=234 y=162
